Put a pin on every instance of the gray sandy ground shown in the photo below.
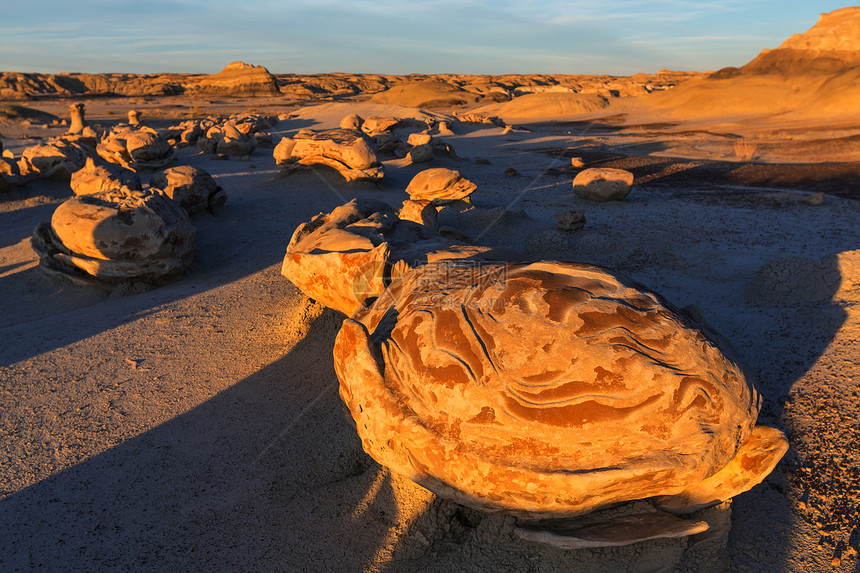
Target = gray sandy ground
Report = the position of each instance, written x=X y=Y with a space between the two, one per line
x=198 y=426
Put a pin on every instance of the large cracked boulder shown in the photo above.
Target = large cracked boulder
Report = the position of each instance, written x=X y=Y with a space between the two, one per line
x=94 y=178
x=549 y=390
x=345 y=150
x=137 y=148
x=117 y=236
x=193 y=188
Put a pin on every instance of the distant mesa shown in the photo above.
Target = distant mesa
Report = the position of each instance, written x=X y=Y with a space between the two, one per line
x=239 y=79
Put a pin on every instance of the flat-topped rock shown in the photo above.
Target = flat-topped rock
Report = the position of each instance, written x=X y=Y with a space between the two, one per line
x=440 y=186
x=344 y=150
x=239 y=79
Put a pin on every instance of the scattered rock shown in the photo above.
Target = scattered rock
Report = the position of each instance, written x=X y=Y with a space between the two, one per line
x=421 y=154
x=94 y=178
x=352 y=121
x=117 y=236
x=344 y=150
x=577 y=162
x=814 y=199
x=415 y=139
x=511 y=172
x=193 y=188
x=603 y=184
x=440 y=186
x=136 y=148
x=56 y=159
x=570 y=220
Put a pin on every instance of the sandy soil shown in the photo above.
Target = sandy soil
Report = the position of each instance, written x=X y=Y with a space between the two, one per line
x=198 y=426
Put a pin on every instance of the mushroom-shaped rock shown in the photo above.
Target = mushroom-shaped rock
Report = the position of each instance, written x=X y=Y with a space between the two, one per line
x=117 y=236
x=549 y=390
x=133 y=117
x=78 y=123
x=94 y=178
x=193 y=188
x=135 y=148
x=440 y=186
x=53 y=160
x=602 y=184
x=345 y=150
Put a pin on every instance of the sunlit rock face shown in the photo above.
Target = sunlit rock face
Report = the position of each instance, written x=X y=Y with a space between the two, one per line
x=352 y=254
x=94 y=178
x=440 y=186
x=117 y=236
x=193 y=188
x=239 y=79
x=57 y=159
x=544 y=389
x=837 y=30
x=345 y=150
x=136 y=148
x=831 y=46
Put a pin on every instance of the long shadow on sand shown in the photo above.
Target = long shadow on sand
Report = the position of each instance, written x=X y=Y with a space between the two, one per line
x=241 y=482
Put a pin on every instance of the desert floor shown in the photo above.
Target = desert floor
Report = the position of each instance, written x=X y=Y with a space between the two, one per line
x=198 y=426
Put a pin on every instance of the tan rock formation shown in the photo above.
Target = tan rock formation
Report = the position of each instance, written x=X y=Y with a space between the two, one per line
x=56 y=159
x=135 y=148
x=117 y=236
x=547 y=390
x=94 y=178
x=239 y=79
x=78 y=123
x=603 y=184
x=345 y=150
x=440 y=186
x=430 y=93
x=193 y=188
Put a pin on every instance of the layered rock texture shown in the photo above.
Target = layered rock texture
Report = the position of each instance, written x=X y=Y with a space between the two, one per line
x=815 y=74
x=117 y=236
x=549 y=389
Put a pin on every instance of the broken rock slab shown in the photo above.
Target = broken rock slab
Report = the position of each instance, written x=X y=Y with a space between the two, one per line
x=193 y=188
x=344 y=150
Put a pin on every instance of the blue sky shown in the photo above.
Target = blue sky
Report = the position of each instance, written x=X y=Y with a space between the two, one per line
x=618 y=37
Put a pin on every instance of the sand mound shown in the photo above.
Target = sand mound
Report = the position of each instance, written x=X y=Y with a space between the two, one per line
x=239 y=79
x=811 y=75
x=432 y=93
x=547 y=105
x=15 y=113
